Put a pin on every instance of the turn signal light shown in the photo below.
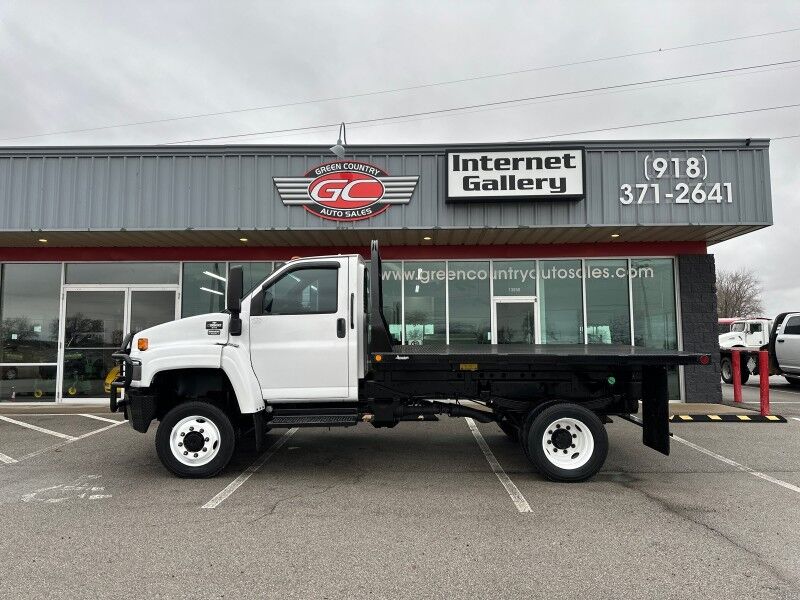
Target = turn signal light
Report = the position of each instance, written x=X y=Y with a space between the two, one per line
x=378 y=358
x=142 y=344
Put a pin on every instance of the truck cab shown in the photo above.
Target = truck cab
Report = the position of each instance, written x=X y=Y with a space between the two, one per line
x=747 y=333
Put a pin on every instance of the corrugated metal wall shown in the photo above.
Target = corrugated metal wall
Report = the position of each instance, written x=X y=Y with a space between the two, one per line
x=225 y=188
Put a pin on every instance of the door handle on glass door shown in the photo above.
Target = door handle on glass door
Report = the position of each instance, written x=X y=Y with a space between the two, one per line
x=341 y=327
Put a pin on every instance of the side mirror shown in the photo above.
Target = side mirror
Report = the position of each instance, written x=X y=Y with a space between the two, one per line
x=267 y=302
x=233 y=300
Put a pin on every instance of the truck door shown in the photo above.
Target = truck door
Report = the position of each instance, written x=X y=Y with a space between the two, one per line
x=787 y=345
x=755 y=335
x=299 y=332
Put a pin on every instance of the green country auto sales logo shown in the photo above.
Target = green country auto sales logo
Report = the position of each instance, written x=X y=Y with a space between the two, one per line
x=346 y=190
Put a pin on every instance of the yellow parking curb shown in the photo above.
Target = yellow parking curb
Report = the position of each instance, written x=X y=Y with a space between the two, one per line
x=754 y=418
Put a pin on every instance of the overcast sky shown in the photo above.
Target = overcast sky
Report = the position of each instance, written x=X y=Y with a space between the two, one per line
x=77 y=65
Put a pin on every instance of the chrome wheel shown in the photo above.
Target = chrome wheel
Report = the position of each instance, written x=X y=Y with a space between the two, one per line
x=194 y=441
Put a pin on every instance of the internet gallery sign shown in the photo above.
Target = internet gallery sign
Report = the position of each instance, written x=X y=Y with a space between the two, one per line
x=514 y=175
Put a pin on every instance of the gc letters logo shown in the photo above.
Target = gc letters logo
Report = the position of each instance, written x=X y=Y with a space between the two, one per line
x=346 y=190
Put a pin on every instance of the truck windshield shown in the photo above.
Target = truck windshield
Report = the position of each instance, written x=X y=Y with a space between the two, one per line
x=737 y=327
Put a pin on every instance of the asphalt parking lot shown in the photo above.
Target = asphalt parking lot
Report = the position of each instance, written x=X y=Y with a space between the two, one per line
x=784 y=399
x=410 y=512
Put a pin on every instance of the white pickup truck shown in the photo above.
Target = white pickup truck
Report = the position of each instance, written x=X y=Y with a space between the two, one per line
x=782 y=342
x=310 y=347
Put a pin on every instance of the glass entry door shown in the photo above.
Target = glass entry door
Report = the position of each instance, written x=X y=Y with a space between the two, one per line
x=95 y=321
x=514 y=321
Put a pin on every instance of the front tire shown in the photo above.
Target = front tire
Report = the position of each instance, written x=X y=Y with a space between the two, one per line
x=195 y=439
x=566 y=442
x=726 y=371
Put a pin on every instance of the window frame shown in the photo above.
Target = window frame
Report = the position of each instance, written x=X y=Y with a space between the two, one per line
x=789 y=324
x=257 y=302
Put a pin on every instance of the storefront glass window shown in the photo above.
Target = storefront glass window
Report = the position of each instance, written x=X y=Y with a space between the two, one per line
x=203 y=288
x=514 y=277
x=655 y=323
x=608 y=319
x=561 y=301
x=122 y=272
x=29 y=309
x=655 y=320
x=254 y=273
x=469 y=295
x=425 y=314
x=392 y=298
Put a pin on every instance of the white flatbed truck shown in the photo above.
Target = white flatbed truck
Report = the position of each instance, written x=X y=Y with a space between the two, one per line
x=310 y=347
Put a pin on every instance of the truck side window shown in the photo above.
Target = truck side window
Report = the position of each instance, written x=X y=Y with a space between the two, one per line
x=303 y=292
x=792 y=326
x=755 y=327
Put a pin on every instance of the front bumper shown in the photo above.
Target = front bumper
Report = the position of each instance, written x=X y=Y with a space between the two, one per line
x=138 y=404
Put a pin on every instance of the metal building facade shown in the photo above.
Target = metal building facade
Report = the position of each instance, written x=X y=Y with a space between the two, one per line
x=207 y=190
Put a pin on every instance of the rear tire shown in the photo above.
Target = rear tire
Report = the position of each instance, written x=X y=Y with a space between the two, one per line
x=566 y=442
x=195 y=439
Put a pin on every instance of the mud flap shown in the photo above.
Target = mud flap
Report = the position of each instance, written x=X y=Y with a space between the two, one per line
x=258 y=430
x=655 y=409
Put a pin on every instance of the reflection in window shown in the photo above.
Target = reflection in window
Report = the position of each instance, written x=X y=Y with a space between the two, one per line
x=514 y=277
x=655 y=321
x=561 y=301
x=122 y=272
x=608 y=319
x=254 y=273
x=29 y=308
x=203 y=289
x=304 y=291
x=470 y=320
x=28 y=383
x=425 y=310
x=392 y=298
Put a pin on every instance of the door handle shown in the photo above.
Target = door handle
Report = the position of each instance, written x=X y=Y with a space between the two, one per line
x=352 y=311
x=341 y=328
x=781 y=341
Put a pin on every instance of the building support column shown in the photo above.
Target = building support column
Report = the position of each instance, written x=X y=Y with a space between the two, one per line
x=698 y=289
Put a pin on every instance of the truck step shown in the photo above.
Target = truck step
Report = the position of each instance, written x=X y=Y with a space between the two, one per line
x=313 y=420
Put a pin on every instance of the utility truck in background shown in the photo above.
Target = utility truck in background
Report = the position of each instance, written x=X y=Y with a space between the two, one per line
x=746 y=333
x=780 y=338
x=310 y=347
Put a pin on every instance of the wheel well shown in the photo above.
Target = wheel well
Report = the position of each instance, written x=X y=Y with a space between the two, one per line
x=176 y=386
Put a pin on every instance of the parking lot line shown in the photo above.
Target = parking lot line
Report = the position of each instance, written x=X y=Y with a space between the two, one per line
x=74 y=439
x=5 y=458
x=248 y=472
x=37 y=428
x=741 y=467
x=513 y=491
x=99 y=418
